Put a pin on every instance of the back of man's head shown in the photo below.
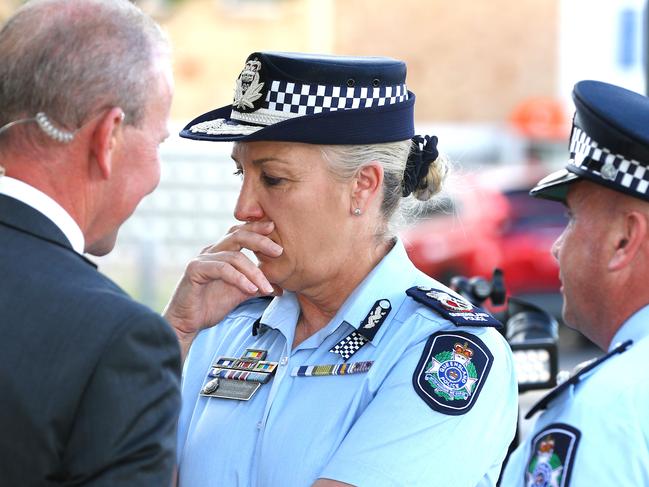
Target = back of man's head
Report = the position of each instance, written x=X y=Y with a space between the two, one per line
x=70 y=59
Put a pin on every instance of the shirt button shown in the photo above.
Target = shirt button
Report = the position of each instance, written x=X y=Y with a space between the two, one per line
x=283 y=361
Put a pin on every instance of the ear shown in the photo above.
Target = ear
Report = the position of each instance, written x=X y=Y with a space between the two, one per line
x=103 y=139
x=629 y=239
x=366 y=185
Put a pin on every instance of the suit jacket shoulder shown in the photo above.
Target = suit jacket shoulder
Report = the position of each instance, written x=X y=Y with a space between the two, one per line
x=90 y=376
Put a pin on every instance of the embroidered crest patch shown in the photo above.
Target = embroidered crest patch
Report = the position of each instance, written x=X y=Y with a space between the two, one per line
x=451 y=371
x=250 y=90
x=552 y=455
x=454 y=308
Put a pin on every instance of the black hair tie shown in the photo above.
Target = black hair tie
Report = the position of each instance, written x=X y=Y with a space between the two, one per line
x=422 y=154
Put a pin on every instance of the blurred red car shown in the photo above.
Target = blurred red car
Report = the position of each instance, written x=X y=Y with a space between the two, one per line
x=486 y=228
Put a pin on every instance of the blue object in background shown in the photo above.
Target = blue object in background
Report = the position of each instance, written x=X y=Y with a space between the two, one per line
x=628 y=38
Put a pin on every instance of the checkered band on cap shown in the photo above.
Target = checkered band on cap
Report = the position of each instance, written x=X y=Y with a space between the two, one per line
x=286 y=100
x=589 y=156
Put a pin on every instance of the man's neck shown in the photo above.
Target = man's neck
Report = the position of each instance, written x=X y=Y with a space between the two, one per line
x=47 y=205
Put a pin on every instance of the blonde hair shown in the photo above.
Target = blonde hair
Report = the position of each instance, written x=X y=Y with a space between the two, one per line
x=345 y=160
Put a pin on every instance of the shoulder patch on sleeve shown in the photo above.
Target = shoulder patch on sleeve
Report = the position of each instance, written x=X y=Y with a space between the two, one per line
x=457 y=310
x=452 y=371
x=552 y=454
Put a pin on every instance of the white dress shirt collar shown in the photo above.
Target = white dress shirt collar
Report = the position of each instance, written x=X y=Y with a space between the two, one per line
x=47 y=206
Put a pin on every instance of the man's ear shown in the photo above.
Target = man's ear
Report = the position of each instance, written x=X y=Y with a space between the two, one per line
x=630 y=238
x=104 y=138
x=366 y=185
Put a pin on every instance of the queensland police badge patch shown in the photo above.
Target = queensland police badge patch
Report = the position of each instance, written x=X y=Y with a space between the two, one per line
x=451 y=371
x=552 y=455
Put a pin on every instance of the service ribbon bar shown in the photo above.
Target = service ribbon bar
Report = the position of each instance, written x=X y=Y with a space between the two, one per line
x=332 y=369
x=240 y=375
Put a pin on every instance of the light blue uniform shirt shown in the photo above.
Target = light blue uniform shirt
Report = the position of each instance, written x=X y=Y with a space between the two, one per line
x=609 y=408
x=368 y=429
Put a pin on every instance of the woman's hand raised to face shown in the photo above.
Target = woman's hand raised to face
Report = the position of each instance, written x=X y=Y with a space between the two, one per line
x=219 y=279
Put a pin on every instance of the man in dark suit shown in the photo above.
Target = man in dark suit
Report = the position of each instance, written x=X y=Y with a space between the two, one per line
x=88 y=377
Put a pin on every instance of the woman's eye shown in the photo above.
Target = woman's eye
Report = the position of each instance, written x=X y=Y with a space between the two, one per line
x=270 y=180
x=238 y=172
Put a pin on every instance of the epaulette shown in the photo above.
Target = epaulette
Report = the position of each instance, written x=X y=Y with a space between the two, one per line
x=454 y=308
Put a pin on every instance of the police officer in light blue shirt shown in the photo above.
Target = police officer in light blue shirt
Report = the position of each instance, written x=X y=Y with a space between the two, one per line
x=341 y=363
x=594 y=429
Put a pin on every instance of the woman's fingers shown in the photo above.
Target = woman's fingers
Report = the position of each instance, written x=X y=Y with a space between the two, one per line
x=251 y=236
x=233 y=268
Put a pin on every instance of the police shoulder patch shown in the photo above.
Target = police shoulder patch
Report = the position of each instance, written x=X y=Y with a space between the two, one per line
x=452 y=371
x=552 y=455
x=457 y=310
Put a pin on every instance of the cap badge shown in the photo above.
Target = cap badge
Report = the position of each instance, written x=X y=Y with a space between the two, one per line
x=608 y=171
x=248 y=89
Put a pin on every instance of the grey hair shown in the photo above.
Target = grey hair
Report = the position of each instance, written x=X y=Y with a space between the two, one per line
x=70 y=58
x=345 y=160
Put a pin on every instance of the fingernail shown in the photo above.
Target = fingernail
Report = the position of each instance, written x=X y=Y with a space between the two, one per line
x=268 y=289
x=252 y=288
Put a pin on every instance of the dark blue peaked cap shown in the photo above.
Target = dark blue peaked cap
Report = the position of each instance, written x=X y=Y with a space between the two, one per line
x=609 y=144
x=315 y=99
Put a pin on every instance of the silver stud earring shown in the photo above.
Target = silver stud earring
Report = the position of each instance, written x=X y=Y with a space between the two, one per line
x=357 y=212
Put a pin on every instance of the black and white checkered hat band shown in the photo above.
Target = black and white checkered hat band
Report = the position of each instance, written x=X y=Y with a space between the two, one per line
x=286 y=100
x=588 y=155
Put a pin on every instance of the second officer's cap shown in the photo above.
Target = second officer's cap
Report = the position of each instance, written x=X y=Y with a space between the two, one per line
x=609 y=143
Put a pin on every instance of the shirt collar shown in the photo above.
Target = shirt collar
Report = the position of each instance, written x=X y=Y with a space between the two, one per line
x=635 y=328
x=42 y=203
x=282 y=314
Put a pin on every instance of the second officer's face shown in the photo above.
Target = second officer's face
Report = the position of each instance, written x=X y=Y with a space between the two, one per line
x=290 y=185
x=580 y=253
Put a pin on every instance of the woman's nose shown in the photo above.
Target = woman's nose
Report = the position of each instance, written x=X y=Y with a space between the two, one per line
x=248 y=207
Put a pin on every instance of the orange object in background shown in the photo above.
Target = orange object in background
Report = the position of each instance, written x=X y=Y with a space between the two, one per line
x=541 y=118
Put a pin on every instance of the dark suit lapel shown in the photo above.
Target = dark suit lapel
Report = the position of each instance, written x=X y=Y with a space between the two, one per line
x=23 y=218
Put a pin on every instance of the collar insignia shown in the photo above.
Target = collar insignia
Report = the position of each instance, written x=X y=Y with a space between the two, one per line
x=366 y=332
